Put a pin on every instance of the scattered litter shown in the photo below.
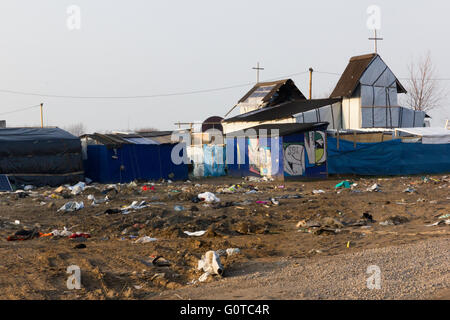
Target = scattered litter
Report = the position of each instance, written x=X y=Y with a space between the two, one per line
x=208 y=197
x=17 y=222
x=28 y=188
x=147 y=188
x=374 y=188
x=135 y=205
x=318 y=191
x=204 y=277
x=445 y=216
x=394 y=220
x=96 y=202
x=24 y=235
x=210 y=263
x=72 y=206
x=62 y=233
x=178 y=208
x=196 y=233
x=231 y=251
x=159 y=261
x=78 y=188
x=80 y=246
x=79 y=235
x=275 y=202
x=145 y=239
x=409 y=190
x=438 y=223
x=345 y=184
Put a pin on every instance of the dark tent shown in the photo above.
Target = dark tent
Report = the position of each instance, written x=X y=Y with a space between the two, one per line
x=40 y=156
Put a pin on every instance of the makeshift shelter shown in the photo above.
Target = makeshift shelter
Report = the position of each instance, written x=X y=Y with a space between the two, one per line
x=120 y=158
x=40 y=156
x=369 y=90
x=279 y=151
x=260 y=100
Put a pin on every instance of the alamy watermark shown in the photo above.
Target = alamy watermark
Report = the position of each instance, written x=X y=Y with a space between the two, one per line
x=73 y=21
x=374 y=281
x=74 y=280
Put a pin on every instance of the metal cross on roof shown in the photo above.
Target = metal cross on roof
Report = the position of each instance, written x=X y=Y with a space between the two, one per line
x=257 y=68
x=375 y=39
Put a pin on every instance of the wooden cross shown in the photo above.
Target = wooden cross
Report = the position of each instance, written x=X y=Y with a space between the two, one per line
x=257 y=68
x=375 y=39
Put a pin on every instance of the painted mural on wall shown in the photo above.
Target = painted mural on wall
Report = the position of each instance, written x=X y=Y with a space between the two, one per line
x=260 y=160
x=305 y=158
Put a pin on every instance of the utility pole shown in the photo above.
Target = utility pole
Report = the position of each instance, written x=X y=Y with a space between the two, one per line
x=257 y=68
x=375 y=39
x=310 y=82
x=42 y=115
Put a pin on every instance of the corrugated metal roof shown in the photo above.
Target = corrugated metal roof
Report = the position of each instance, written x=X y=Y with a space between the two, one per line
x=282 y=110
x=118 y=139
x=350 y=78
x=273 y=92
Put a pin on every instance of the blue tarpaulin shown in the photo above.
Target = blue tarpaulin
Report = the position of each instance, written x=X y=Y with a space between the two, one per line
x=132 y=161
x=387 y=158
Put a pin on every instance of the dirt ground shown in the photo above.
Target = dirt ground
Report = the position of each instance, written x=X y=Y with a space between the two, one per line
x=299 y=225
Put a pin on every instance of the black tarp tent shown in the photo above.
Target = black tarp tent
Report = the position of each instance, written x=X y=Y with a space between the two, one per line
x=40 y=156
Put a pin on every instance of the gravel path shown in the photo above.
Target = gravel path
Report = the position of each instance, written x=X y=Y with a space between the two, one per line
x=414 y=271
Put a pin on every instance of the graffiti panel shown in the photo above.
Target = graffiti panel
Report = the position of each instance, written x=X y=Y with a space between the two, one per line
x=306 y=158
x=294 y=159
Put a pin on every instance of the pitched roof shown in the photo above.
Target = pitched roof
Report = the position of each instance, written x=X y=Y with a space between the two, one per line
x=352 y=74
x=282 y=110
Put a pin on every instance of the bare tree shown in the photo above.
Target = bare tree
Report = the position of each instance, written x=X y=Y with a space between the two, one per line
x=77 y=129
x=424 y=92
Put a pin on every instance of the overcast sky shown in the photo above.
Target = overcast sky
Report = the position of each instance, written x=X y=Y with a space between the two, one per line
x=145 y=47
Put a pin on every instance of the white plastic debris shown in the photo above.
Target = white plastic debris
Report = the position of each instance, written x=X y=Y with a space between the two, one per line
x=78 y=188
x=204 y=277
x=231 y=251
x=96 y=202
x=374 y=188
x=438 y=223
x=208 y=197
x=196 y=233
x=210 y=263
x=135 y=205
x=145 y=239
x=62 y=233
x=28 y=188
x=318 y=191
x=72 y=206
x=17 y=222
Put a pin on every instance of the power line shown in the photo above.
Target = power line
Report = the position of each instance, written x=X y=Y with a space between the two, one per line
x=21 y=109
x=142 y=96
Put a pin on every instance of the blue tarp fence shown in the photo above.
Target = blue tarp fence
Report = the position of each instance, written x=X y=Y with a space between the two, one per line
x=387 y=158
x=131 y=162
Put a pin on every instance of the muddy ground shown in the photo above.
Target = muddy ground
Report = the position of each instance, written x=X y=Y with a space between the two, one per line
x=297 y=224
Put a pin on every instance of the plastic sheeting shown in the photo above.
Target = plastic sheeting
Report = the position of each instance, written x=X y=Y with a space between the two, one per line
x=430 y=135
x=132 y=162
x=40 y=156
x=330 y=114
x=393 y=117
x=387 y=158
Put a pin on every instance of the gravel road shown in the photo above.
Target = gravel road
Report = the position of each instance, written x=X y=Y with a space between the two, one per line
x=414 y=271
